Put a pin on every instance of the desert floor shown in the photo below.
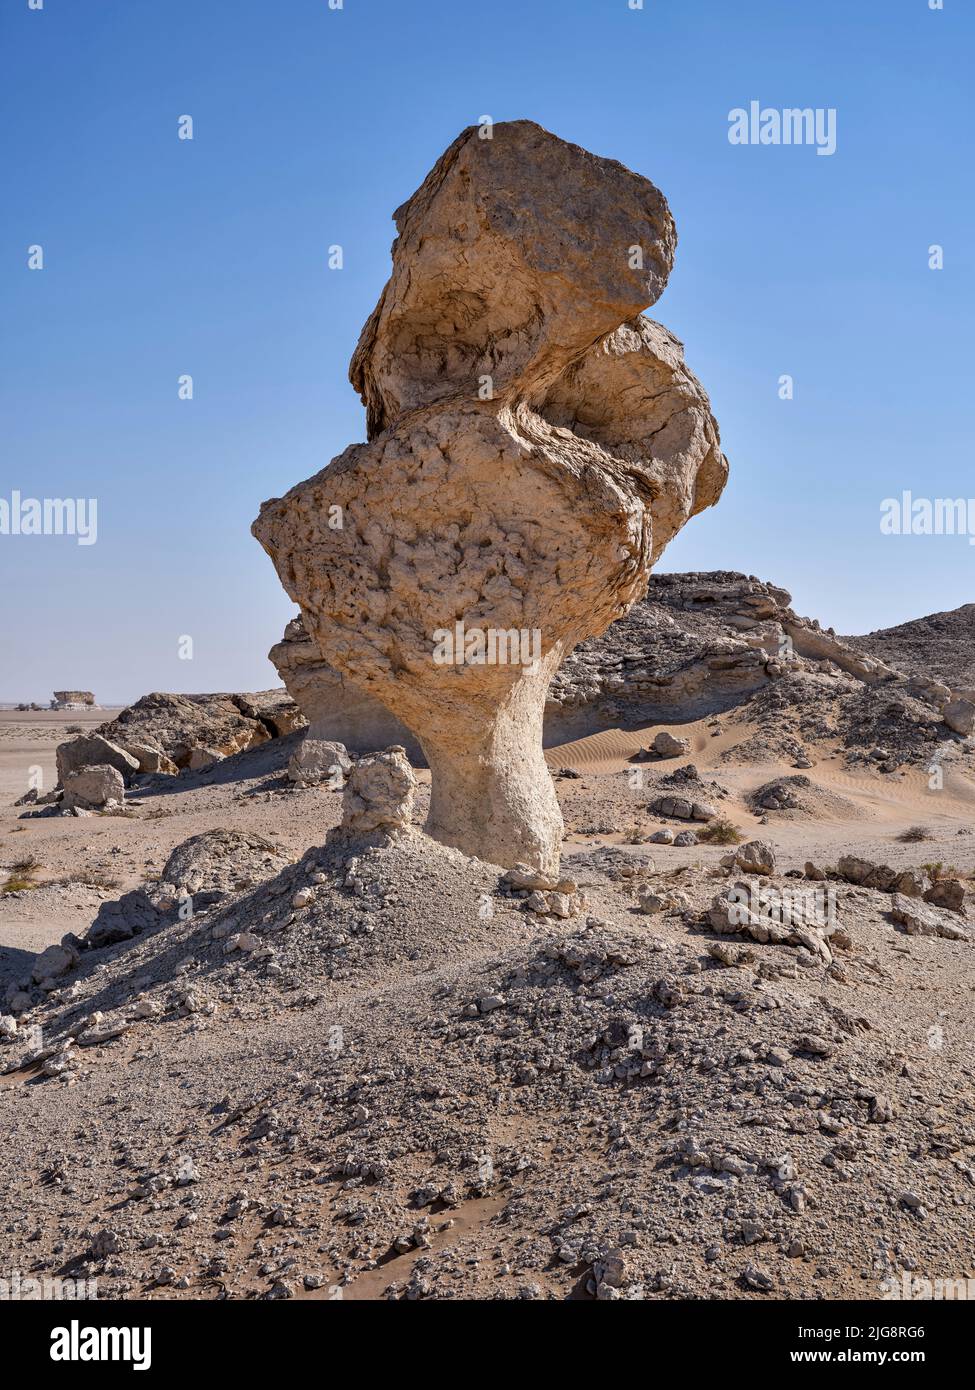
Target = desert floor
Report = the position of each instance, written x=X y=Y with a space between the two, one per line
x=875 y=1198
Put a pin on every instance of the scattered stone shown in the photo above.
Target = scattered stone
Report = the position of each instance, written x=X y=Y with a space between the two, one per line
x=918 y=919
x=755 y=857
x=666 y=745
x=320 y=760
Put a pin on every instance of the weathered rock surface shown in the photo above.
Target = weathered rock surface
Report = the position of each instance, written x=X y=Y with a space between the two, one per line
x=93 y=750
x=918 y=919
x=482 y=534
x=89 y=787
x=760 y=915
x=697 y=644
x=379 y=794
x=150 y=758
x=682 y=808
x=755 y=857
x=223 y=861
x=319 y=759
x=939 y=647
x=948 y=893
x=667 y=746
x=54 y=961
x=210 y=726
x=335 y=708
x=959 y=715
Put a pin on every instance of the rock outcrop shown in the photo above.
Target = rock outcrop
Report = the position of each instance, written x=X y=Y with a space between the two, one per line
x=164 y=732
x=533 y=445
x=697 y=644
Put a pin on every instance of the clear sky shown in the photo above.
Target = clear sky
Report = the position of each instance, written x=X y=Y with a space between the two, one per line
x=164 y=257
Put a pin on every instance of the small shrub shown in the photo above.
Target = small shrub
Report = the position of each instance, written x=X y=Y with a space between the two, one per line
x=89 y=878
x=26 y=867
x=18 y=885
x=721 y=831
x=941 y=870
x=914 y=834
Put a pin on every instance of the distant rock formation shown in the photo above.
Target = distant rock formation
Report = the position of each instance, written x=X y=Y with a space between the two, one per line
x=73 y=699
x=938 y=647
x=533 y=445
x=697 y=644
x=165 y=733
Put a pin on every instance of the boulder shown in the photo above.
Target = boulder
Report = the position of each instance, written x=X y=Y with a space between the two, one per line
x=93 y=750
x=53 y=962
x=319 y=759
x=665 y=745
x=676 y=806
x=948 y=893
x=379 y=794
x=959 y=715
x=912 y=883
x=755 y=857
x=867 y=874
x=150 y=758
x=918 y=919
x=93 y=787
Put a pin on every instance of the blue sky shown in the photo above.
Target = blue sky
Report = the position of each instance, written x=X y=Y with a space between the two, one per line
x=209 y=257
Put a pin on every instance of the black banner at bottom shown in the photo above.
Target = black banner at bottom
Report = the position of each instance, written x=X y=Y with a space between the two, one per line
x=157 y=1337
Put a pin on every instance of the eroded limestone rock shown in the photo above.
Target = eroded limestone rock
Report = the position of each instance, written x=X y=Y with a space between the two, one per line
x=533 y=445
x=319 y=760
x=379 y=794
x=93 y=787
x=93 y=750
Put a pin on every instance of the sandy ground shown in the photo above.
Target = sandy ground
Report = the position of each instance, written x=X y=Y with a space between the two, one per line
x=435 y=1100
x=599 y=809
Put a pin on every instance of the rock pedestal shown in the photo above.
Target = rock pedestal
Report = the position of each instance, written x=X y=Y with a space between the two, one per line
x=513 y=492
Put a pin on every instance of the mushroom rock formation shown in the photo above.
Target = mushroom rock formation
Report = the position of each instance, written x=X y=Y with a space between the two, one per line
x=529 y=434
